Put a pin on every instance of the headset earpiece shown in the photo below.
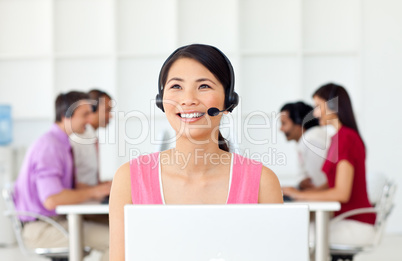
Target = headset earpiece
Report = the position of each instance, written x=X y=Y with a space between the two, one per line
x=98 y=96
x=297 y=109
x=95 y=107
x=232 y=100
x=68 y=113
x=231 y=97
x=159 y=96
x=159 y=102
x=332 y=101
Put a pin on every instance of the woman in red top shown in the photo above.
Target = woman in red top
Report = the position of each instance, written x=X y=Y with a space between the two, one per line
x=344 y=168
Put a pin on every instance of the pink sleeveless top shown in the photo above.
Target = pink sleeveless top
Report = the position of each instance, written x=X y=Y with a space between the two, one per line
x=146 y=187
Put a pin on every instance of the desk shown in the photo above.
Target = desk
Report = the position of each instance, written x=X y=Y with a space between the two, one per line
x=322 y=216
x=74 y=214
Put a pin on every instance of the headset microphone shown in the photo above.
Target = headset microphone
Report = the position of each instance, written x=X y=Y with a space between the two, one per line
x=213 y=111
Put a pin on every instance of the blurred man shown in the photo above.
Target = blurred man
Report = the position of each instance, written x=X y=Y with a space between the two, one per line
x=46 y=180
x=298 y=124
x=85 y=145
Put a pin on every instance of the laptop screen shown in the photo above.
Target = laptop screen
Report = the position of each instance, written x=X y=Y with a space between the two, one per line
x=216 y=232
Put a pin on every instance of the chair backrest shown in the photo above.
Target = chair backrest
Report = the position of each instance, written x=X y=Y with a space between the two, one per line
x=8 y=197
x=375 y=185
x=53 y=253
x=384 y=208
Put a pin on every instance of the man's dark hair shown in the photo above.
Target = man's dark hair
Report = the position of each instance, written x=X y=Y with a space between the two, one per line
x=301 y=114
x=96 y=95
x=66 y=103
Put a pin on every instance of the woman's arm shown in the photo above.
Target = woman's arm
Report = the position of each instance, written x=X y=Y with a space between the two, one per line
x=321 y=187
x=270 y=189
x=341 y=192
x=120 y=195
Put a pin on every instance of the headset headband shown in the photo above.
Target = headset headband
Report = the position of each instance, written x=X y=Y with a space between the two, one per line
x=231 y=97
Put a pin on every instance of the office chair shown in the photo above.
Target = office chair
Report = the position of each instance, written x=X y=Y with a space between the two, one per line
x=55 y=254
x=383 y=208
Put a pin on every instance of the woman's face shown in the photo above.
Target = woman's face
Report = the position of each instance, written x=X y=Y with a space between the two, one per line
x=322 y=112
x=190 y=90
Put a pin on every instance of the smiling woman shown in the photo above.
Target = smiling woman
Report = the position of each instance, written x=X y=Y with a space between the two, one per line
x=216 y=71
x=187 y=99
x=196 y=83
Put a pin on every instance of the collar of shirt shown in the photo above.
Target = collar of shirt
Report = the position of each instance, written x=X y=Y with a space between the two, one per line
x=88 y=137
x=60 y=135
x=90 y=131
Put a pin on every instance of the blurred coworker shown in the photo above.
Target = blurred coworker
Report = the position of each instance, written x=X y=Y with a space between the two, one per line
x=85 y=145
x=298 y=123
x=344 y=167
x=46 y=180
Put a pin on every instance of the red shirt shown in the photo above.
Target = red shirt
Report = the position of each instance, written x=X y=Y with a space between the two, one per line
x=347 y=145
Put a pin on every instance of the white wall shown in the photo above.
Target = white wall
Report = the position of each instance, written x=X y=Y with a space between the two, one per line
x=382 y=81
x=282 y=50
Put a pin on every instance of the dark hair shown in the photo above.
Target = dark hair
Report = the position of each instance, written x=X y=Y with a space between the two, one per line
x=96 y=95
x=64 y=101
x=338 y=100
x=301 y=114
x=214 y=60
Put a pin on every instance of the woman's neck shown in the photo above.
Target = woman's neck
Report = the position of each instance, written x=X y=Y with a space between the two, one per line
x=336 y=123
x=193 y=158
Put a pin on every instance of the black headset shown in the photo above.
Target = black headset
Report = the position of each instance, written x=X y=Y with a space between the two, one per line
x=332 y=95
x=297 y=108
x=67 y=112
x=95 y=105
x=231 y=97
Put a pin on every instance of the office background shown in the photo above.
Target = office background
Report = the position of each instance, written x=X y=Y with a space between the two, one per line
x=282 y=50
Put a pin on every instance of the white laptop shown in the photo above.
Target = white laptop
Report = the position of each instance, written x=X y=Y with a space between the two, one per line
x=216 y=232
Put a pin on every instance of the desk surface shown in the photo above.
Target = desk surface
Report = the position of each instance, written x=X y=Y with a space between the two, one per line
x=318 y=205
x=83 y=208
x=321 y=210
x=96 y=208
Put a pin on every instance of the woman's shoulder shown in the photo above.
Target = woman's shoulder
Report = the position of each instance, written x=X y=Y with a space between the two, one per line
x=122 y=174
x=348 y=133
x=270 y=188
x=124 y=170
x=268 y=175
x=246 y=161
x=154 y=155
x=145 y=159
x=350 y=137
